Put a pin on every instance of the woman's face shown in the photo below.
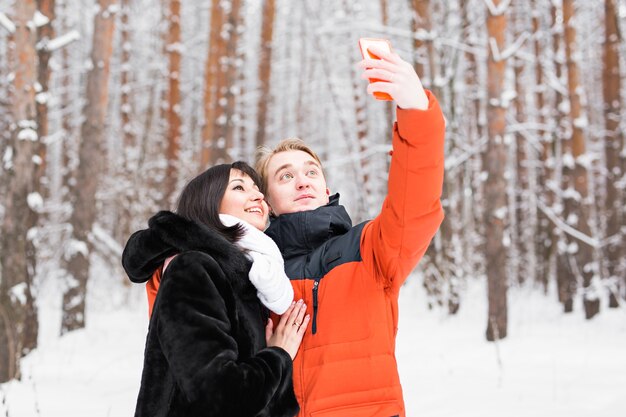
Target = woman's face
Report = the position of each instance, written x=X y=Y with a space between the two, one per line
x=243 y=200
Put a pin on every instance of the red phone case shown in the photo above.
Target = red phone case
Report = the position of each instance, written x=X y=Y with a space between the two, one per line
x=363 y=45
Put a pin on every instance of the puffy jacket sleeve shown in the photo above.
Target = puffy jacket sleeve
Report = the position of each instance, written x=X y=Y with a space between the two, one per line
x=195 y=332
x=394 y=242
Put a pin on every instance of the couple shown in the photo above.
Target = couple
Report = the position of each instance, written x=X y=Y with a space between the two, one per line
x=212 y=349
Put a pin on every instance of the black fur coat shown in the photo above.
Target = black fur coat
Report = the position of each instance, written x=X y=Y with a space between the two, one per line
x=205 y=352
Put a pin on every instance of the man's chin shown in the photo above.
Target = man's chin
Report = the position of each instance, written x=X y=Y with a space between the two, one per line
x=307 y=206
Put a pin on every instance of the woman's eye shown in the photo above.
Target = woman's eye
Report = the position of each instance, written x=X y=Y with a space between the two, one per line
x=238 y=187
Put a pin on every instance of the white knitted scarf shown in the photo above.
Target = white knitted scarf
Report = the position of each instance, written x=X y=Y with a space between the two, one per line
x=268 y=268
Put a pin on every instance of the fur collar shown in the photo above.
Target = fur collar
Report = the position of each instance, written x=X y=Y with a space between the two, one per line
x=169 y=234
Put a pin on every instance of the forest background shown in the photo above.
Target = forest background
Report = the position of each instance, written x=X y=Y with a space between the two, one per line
x=108 y=107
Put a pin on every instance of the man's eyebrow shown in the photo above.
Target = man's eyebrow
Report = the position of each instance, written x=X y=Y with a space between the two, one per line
x=288 y=165
x=280 y=168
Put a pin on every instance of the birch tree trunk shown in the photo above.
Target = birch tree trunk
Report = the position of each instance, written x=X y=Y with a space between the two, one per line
x=613 y=145
x=495 y=185
x=265 y=68
x=18 y=312
x=91 y=166
x=576 y=201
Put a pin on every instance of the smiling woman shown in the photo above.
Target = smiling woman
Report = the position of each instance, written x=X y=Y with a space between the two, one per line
x=210 y=342
x=242 y=199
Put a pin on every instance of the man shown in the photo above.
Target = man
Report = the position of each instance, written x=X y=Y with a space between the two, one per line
x=351 y=276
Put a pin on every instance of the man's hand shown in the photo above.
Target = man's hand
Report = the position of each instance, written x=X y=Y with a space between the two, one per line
x=398 y=79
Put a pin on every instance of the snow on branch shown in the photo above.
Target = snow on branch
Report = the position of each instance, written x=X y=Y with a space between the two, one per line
x=510 y=51
x=594 y=243
x=60 y=41
x=7 y=23
x=104 y=242
x=40 y=19
x=497 y=10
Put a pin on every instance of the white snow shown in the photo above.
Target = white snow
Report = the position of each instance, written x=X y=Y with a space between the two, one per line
x=76 y=246
x=18 y=293
x=551 y=364
x=35 y=201
x=40 y=19
x=28 y=134
x=7 y=158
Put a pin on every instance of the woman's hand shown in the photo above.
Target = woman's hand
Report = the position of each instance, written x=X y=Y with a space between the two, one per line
x=397 y=78
x=290 y=329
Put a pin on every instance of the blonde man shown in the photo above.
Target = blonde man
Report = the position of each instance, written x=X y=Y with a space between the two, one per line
x=351 y=276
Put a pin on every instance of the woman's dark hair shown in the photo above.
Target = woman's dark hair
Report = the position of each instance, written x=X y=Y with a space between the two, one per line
x=201 y=198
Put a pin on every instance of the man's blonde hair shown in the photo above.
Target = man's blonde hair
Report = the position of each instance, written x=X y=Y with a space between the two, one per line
x=265 y=153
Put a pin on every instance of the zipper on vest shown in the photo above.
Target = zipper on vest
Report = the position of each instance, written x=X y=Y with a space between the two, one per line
x=316 y=284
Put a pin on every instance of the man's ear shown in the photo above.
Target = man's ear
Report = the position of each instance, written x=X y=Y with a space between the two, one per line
x=328 y=191
x=270 y=208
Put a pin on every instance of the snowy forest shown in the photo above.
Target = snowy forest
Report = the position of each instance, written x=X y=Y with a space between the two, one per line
x=108 y=107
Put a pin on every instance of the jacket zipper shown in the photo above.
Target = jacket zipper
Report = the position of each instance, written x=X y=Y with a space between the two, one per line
x=316 y=284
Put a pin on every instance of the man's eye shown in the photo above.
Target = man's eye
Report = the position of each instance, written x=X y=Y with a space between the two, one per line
x=312 y=172
x=286 y=176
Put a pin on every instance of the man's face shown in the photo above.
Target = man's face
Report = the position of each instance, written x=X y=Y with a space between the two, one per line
x=295 y=183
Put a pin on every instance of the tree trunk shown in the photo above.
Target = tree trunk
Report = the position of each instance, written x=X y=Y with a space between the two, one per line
x=265 y=68
x=519 y=186
x=422 y=22
x=225 y=92
x=495 y=185
x=565 y=279
x=390 y=108
x=613 y=145
x=544 y=238
x=216 y=51
x=576 y=203
x=434 y=278
x=18 y=313
x=90 y=168
x=173 y=48
x=129 y=156
x=46 y=33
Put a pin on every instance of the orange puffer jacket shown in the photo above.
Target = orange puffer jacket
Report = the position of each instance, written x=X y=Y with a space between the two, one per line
x=350 y=277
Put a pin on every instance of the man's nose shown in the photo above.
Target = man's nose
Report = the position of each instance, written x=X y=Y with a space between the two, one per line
x=303 y=182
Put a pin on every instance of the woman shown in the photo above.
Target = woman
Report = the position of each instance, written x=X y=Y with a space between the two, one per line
x=211 y=349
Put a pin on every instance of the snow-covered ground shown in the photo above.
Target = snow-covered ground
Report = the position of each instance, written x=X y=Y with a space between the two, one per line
x=550 y=365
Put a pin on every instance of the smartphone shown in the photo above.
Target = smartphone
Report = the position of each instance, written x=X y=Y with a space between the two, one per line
x=384 y=44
